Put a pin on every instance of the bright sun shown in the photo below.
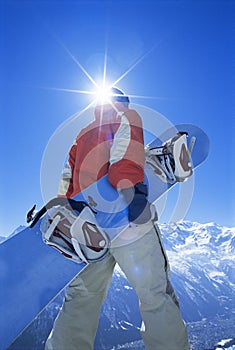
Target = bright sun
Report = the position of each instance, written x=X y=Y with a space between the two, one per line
x=103 y=94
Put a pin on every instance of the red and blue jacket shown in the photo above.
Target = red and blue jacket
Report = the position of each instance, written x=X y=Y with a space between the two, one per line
x=112 y=144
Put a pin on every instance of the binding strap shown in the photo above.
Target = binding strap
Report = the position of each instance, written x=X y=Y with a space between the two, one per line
x=66 y=202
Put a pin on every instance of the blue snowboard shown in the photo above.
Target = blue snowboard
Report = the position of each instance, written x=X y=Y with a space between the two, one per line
x=33 y=274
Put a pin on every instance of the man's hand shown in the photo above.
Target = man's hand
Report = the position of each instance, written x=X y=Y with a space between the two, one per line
x=140 y=210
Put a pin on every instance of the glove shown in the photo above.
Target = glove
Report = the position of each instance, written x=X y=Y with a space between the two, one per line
x=140 y=210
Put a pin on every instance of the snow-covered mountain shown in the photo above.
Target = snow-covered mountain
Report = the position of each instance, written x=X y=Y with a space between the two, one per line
x=228 y=344
x=17 y=230
x=203 y=274
x=202 y=265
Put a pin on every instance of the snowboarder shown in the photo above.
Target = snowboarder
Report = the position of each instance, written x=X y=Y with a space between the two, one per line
x=113 y=144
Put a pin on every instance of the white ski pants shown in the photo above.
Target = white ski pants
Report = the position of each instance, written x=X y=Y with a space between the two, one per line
x=144 y=264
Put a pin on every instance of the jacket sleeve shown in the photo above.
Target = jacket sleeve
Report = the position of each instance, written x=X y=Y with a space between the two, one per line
x=127 y=152
x=66 y=179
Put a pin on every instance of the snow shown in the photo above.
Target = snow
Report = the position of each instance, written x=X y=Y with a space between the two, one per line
x=223 y=342
x=228 y=344
x=17 y=230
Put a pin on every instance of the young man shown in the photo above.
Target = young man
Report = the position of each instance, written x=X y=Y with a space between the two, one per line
x=113 y=144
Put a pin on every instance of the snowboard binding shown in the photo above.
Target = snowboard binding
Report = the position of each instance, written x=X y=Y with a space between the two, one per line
x=172 y=161
x=71 y=227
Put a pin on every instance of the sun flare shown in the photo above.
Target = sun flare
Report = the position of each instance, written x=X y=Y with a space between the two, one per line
x=102 y=93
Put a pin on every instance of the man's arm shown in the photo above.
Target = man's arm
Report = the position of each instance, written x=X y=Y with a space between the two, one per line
x=127 y=152
x=126 y=172
x=66 y=179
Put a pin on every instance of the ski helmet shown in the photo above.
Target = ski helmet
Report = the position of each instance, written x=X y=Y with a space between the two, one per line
x=119 y=96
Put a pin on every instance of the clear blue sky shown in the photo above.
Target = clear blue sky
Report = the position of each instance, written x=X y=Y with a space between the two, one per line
x=185 y=53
